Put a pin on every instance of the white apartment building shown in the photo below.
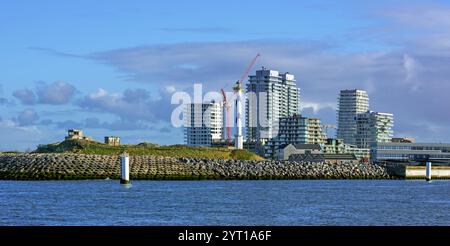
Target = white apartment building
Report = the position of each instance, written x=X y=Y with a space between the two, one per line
x=373 y=127
x=203 y=124
x=350 y=103
x=270 y=96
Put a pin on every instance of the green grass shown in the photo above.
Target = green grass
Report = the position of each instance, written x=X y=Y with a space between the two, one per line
x=91 y=147
x=10 y=152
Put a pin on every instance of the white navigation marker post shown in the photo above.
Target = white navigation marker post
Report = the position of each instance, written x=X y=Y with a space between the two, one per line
x=124 y=168
x=428 y=171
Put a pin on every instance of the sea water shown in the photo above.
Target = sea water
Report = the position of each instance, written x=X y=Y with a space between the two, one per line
x=278 y=202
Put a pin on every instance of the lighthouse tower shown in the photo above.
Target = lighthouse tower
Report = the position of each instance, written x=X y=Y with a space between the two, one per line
x=238 y=138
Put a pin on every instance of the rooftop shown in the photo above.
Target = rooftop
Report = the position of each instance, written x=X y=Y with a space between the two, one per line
x=302 y=146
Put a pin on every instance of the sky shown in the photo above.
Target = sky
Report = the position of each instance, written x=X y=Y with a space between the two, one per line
x=111 y=67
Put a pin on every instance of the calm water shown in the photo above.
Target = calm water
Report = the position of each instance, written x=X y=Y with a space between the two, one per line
x=337 y=202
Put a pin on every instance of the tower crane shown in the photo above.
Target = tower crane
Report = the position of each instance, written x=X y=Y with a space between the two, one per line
x=226 y=104
x=326 y=127
x=238 y=89
x=226 y=113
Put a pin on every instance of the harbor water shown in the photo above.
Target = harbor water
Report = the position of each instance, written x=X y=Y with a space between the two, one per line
x=278 y=202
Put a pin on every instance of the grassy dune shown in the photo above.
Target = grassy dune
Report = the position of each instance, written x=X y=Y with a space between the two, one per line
x=89 y=147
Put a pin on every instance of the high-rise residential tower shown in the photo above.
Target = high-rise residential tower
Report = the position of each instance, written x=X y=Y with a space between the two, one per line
x=350 y=103
x=270 y=96
x=203 y=123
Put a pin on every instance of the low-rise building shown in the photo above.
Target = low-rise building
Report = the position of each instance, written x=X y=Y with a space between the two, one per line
x=337 y=146
x=287 y=150
x=76 y=134
x=403 y=140
x=360 y=153
x=112 y=140
x=410 y=151
x=334 y=146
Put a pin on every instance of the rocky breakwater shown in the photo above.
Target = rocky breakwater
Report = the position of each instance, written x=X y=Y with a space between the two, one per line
x=78 y=166
x=271 y=169
x=57 y=166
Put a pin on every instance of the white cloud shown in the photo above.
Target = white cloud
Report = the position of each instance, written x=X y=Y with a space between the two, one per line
x=317 y=106
x=56 y=93
x=411 y=68
x=25 y=137
x=170 y=89
x=25 y=96
x=430 y=17
x=27 y=117
x=130 y=105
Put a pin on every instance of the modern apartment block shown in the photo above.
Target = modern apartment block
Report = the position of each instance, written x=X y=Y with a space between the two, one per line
x=373 y=127
x=203 y=124
x=295 y=130
x=350 y=103
x=337 y=146
x=314 y=132
x=402 y=151
x=270 y=96
x=334 y=146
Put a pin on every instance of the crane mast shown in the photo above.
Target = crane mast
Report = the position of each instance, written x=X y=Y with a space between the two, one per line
x=239 y=119
x=226 y=115
x=238 y=90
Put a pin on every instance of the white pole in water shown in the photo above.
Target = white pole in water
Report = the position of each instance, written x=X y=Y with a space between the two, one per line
x=124 y=168
x=428 y=171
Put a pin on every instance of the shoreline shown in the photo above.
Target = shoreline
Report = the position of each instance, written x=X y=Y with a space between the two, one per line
x=88 y=167
x=70 y=166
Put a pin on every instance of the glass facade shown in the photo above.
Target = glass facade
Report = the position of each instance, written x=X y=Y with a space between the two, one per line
x=410 y=151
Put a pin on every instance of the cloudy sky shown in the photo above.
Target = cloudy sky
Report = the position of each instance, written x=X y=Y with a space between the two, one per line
x=110 y=67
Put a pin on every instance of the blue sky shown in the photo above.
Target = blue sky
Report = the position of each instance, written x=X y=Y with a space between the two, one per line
x=110 y=67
